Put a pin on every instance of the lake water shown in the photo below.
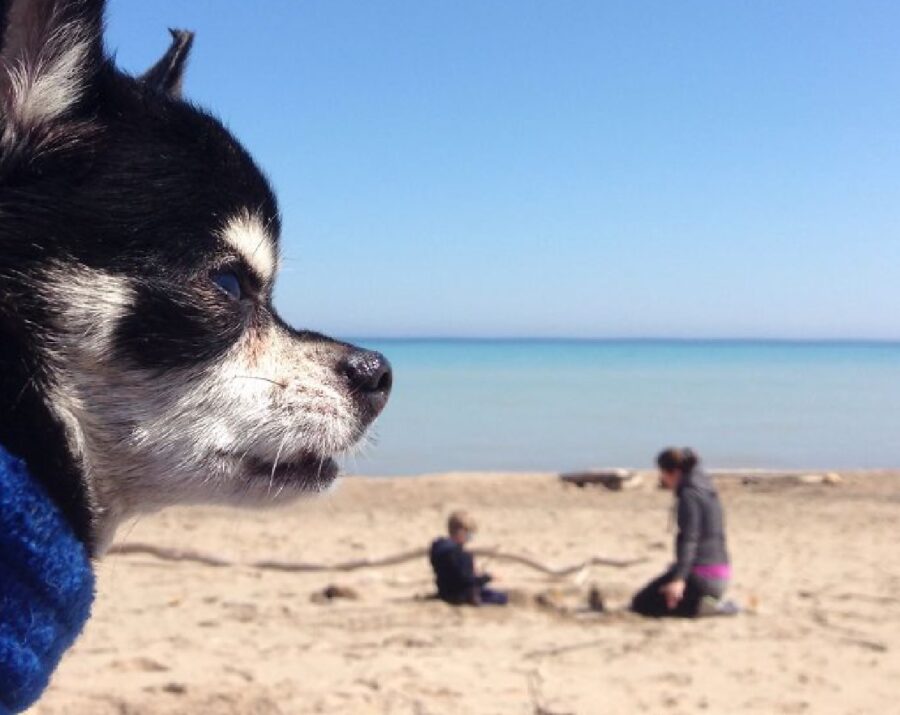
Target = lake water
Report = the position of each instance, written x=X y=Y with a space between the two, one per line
x=560 y=405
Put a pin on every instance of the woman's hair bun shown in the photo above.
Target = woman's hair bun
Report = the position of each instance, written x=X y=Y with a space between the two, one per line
x=673 y=458
x=688 y=460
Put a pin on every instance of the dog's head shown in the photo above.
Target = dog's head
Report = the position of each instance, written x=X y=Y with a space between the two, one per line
x=138 y=252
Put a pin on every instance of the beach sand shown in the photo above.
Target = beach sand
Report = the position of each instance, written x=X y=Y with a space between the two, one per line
x=818 y=567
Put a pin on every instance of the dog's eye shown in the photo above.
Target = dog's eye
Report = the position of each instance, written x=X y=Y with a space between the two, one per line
x=228 y=283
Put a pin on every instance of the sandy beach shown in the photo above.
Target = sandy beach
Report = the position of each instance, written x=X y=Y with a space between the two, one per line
x=816 y=566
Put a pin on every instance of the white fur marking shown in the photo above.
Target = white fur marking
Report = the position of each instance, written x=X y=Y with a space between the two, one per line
x=246 y=233
x=46 y=87
x=91 y=303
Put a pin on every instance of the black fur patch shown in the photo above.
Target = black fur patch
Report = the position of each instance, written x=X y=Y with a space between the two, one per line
x=168 y=327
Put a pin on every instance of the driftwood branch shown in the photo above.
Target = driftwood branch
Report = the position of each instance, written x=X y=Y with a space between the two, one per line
x=556 y=572
x=198 y=557
x=165 y=553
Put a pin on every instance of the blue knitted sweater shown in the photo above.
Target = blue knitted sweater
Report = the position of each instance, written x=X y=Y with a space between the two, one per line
x=46 y=586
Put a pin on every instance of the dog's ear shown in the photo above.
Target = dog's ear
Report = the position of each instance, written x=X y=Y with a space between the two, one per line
x=50 y=53
x=167 y=74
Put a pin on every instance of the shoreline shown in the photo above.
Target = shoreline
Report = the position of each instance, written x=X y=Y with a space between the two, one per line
x=715 y=472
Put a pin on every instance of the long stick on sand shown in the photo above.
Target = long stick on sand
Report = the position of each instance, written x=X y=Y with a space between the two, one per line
x=172 y=554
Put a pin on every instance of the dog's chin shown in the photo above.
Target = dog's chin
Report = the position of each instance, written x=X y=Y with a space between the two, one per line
x=261 y=481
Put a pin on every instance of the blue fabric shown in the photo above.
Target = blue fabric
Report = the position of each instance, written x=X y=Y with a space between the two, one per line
x=46 y=586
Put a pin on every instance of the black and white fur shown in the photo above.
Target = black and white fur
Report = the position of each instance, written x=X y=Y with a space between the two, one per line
x=141 y=361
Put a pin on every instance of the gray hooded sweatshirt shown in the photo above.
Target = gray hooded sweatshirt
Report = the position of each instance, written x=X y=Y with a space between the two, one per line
x=701 y=529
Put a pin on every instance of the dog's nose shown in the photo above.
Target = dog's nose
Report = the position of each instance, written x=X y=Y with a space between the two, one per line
x=370 y=377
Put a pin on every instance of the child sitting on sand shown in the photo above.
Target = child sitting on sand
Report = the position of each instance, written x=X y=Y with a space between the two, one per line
x=454 y=567
x=694 y=584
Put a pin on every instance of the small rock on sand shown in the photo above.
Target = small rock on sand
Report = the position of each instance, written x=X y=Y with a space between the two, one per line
x=333 y=592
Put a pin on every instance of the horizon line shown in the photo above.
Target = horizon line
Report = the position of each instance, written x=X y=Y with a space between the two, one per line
x=622 y=339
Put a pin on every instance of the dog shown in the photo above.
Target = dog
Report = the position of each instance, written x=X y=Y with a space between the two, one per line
x=142 y=363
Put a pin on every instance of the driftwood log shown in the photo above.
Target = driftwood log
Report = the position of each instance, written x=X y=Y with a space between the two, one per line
x=206 y=559
x=614 y=479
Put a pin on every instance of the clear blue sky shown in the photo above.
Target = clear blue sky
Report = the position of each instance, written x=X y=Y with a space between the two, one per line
x=481 y=168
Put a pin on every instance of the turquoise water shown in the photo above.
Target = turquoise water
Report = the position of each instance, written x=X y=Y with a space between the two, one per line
x=558 y=405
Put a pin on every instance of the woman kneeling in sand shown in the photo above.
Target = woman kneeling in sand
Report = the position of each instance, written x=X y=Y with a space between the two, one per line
x=694 y=584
